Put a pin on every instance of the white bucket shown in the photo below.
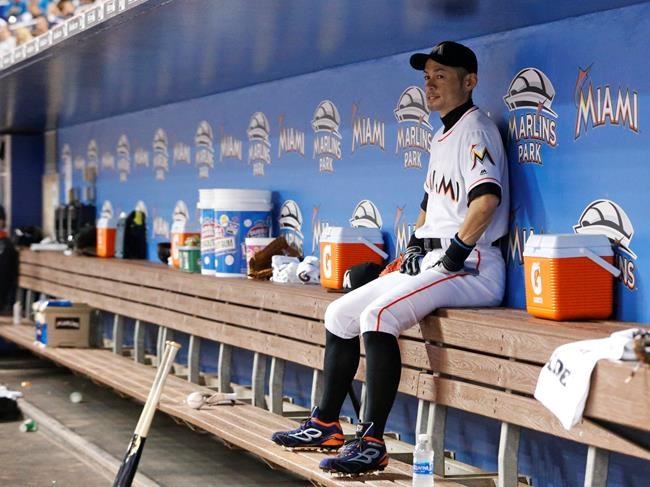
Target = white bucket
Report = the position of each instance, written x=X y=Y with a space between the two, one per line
x=206 y=209
x=238 y=214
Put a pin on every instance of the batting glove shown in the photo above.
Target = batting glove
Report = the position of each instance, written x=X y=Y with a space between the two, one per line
x=453 y=260
x=412 y=256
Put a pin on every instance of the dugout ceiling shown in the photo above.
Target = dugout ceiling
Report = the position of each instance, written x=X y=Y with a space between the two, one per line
x=165 y=51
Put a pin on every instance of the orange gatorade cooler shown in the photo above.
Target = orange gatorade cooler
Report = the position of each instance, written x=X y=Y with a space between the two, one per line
x=106 y=229
x=569 y=276
x=342 y=248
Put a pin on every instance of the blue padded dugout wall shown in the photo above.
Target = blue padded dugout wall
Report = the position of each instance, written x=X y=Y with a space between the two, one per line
x=577 y=159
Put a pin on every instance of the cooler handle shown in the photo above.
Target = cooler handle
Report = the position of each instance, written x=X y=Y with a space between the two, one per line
x=615 y=271
x=373 y=247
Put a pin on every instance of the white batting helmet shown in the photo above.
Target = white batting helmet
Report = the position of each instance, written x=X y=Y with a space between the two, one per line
x=123 y=146
x=258 y=127
x=204 y=136
x=93 y=153
x=181 y=213
x=326 y=117
x=412 y=106
x=107 y=210
x=160 y=141
x=529 y=89
x=366 y=215
x=607 y=218
x=290 y=215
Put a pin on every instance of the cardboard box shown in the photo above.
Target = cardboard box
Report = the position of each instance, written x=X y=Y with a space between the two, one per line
x=63 y=324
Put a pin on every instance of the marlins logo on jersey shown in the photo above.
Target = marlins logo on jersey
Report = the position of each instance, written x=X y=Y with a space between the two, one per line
x=531 y=93
x=604 y=217
x=93 y=155
x=290 y=223
x=204 y=149
x=327 y=138
x=259 y=138
x=123 y=157
x=366 y=215
x=414 y=133
x=160 y=154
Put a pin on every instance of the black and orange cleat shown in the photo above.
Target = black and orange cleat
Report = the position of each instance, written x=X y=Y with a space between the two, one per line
x=312 y=434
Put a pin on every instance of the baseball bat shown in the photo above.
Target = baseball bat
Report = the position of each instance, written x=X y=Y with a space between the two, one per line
x=129 y=465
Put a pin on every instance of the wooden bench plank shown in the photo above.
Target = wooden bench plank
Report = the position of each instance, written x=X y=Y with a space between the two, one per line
x=485 y=369
x=242 y=425
x=519 y=410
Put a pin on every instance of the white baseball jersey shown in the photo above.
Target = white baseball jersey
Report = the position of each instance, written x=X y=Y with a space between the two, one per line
x=469 y=154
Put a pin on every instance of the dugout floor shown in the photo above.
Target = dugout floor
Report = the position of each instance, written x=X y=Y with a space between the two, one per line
x=174 y=455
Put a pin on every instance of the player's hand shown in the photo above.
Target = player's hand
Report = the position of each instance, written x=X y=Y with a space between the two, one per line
x=446 y=266
x=453 y=260
x=411 y=260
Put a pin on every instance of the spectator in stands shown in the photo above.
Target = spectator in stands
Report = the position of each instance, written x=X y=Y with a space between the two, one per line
x=22 y=35
x=66 y=9
x=13 y=9
x=7 y=41
x=41 y=25
x=33 y=11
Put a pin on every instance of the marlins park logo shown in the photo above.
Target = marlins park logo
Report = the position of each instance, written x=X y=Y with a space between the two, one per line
x=414 y=132
x=597 y=106
x=259 y=143
x=92 y=156
x=204 y=142
x=327 y=138
x=123 y=158
x=532 y=123
x=160 y=147
x=366 y=131
x=290 y=223
x=604 y=217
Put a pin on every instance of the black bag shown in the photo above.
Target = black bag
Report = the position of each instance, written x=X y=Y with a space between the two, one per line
x=9 y=410
x=135 y=236
x=8 y=274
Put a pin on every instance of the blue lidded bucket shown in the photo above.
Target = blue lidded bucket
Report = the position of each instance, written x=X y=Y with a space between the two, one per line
x=206 y=209
x=238 y=214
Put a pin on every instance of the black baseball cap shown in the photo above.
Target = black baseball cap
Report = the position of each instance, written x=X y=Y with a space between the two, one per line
x=448 y=53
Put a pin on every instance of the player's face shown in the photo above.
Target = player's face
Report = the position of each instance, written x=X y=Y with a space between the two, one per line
x=445 y=87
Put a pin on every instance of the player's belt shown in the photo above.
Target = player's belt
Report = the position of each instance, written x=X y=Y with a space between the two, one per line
x=436 y=243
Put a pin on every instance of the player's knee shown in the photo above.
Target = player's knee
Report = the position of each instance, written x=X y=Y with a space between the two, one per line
x=338 y=322
x=379 y=318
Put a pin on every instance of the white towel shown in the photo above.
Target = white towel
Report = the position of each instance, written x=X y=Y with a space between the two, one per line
x=563 y=384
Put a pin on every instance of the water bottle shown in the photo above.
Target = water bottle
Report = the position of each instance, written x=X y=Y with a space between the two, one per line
x=423 y=462
x=18 y=312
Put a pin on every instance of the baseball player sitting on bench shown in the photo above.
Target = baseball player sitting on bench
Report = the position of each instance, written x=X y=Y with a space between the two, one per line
x=452 y=259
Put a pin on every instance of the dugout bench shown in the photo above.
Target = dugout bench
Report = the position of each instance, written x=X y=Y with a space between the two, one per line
x=484 y=361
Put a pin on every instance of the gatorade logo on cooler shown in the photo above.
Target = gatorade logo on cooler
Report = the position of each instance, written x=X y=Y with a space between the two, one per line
x=327 y=261
x=536 y=281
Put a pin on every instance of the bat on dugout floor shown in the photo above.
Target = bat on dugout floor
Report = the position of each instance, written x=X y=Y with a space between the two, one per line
x=129 y=465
